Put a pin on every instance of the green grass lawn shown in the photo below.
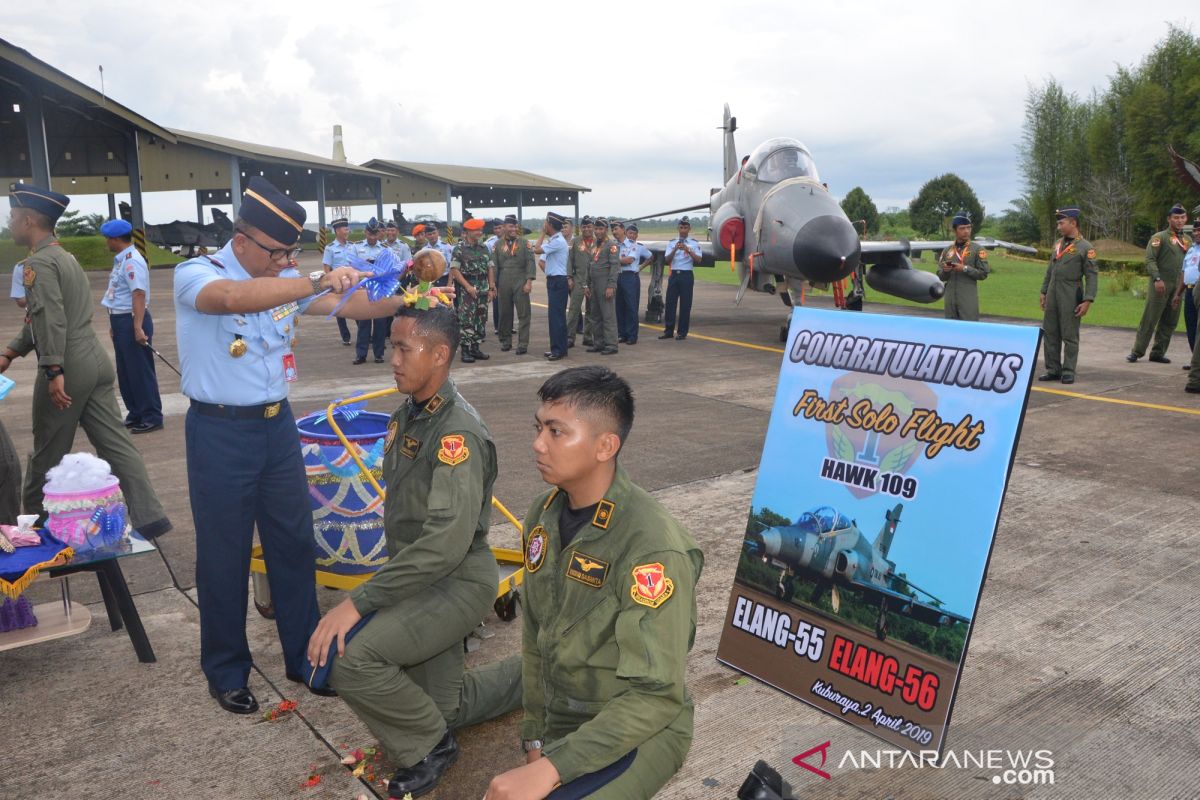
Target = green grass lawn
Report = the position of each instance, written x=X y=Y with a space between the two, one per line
x=1012 y=291
x=89 y=250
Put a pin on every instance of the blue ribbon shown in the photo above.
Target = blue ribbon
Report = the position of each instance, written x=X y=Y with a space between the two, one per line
x=371 y=458
x=383 y=282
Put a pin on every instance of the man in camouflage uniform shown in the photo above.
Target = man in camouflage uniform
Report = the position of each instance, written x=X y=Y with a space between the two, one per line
x=1068 y=291
x=515 y=274
x=962 y=266
x=605 y=265
x=74 y=386
x=610 y=608
x=403 y=673
x=473 y=275
x=1164 y=264
x=578 y=270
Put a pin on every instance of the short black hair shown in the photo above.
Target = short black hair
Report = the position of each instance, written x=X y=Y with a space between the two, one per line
x=593 y=388
x=440 y=322
x=127 y=238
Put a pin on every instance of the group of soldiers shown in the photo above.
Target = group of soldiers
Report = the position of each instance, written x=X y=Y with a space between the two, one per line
x=610 y=607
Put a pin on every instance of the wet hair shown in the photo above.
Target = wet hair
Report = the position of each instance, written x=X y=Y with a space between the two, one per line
x=440 y=323
x=596 y=390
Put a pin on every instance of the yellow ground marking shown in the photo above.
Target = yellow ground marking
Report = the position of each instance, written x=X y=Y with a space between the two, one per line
x=1077 y=395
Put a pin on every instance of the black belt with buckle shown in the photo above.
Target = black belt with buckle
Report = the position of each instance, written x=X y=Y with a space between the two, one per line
x=264 y=411
x=1189 y=286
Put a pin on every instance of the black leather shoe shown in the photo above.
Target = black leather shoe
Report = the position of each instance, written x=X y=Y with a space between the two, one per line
x=360 y=361
x=593 y=349
x=622 y=340
x=346 y=343
x=1192 y=389
x=480 y=355
x=504 y=348
x=554 y=357
x=1160 y=359
x=129 y=424
x=1050 y=376
x=235 y=701
x=379 y=361
x=608 y=351
x=667 y=335
x=421 y=777
x=681 y=337
x=1186 y=367
x=570 y=345
x=1132 y=359
x=631 y=341
x=146 y=427
x=467 y=356
x=1068 y=378
x=324 y=691
x=522 y=351
x=587 y=342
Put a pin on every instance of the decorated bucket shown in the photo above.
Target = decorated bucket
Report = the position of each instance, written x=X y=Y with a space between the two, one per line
x=347 y=511
x=86 y=520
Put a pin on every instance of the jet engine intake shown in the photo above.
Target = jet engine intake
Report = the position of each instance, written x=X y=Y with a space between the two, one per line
x=847 y=564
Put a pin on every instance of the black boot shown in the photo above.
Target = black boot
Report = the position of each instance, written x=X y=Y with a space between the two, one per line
x=421 y=777
x=479 y=354
x=467 y=356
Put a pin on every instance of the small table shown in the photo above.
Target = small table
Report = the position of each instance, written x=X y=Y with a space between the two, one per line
x=118 y=602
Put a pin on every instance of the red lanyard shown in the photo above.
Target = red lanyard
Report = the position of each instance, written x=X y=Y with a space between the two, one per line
x=1059 y=249
x=966 y=249
x=596 y=251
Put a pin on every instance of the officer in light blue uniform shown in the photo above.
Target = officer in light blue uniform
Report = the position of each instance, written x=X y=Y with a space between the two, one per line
x=554 y=250
x=128 y=302
x=337 y=254
x=497 y=227
x=372 y=333
x=1191 y=276
x=682 y=255
x=629 y=285
x=17 y=293
x=236 y=313
x=393 y=242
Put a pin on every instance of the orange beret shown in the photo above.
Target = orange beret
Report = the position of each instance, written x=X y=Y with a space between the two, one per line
x=418 y=229
x=473 y=225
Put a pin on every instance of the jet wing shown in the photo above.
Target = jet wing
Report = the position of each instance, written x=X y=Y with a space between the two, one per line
x=876 y=252
x=908 y=605
x=660 y=249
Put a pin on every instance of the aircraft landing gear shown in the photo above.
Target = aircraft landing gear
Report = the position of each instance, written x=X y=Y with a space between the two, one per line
x=881 y=623
x=785 y=589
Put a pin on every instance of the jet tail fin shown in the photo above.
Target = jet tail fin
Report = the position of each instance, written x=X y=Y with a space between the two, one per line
x=883 y=542
x=731 y=157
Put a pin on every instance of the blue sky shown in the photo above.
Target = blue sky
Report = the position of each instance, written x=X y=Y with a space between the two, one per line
x=945 y=532
x=886 y=96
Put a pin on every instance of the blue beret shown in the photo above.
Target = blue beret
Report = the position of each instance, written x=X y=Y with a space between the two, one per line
x=685 y=221
x=631 y=228
x=116 y=228
x=1070 y=211
x=372 y=224
x=272 y=211
x=510 y=219
x=35 y=198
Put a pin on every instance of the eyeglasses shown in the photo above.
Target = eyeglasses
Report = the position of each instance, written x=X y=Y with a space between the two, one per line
x=281 y=254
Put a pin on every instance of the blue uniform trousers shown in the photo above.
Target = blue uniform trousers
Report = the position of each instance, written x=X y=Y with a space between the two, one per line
x=1189 y=316
x=243 y=473
x=136 y=377
x=558 y=295
x=679 y=292
x=629 y=290
x=344 y=330
x=372 y=333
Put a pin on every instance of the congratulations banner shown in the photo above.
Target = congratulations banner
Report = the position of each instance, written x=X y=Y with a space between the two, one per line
x=878 y=495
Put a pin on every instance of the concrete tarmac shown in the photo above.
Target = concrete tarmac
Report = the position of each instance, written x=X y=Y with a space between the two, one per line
x=1084 y=633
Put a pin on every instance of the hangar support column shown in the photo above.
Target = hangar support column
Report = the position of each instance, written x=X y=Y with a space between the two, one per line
x=35 y=129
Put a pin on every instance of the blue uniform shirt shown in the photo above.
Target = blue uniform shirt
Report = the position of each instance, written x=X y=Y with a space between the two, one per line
x=554 y=250
x=491 y=243
x=337 y=254
x=129 y=273
x=18 y=282
x=368 y=252
x=1191 y=266
x=210 y=372
x=638 y=252
x=684 y=262
x=400 y=250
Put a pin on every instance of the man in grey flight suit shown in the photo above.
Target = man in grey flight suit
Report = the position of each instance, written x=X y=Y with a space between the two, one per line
x=1068 y=291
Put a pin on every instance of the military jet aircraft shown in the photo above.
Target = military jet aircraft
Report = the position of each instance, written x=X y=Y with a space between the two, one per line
x=779 y=223
x=827 y=547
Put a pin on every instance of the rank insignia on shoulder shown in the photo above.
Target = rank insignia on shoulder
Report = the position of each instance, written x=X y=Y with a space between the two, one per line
x=603 y=515
x=550 y=498
x=454 y=450
x=535 y=550
x=651 y=586
x=410 y=447
x=588 y=570
x=390 y=439
x=1091 y=254
x=434 y=403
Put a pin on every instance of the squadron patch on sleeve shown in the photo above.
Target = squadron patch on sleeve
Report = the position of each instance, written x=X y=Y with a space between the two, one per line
x=1156 y=242
x=454 y=450
x=983 y=255
x=535 y=550
x=1091 y=254
x=651 y=586
x=28 y=276
x=390 y=440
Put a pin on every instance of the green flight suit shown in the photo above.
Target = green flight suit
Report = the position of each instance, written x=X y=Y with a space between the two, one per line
x=59 y=327
x=1071 y=278
x=601 y=310
x=10 y=479
x=608 y=626
x=1164 y=261
x=578 y=270
x=962 y=287
x=514 y=266
x=472 y=262
x=402 y=674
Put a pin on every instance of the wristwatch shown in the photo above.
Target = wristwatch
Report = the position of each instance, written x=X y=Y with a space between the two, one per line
x=529 y=745
x=315 y=279
x=52 y=372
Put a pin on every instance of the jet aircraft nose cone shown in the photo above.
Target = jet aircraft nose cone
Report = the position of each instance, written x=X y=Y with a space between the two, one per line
x=826 y=249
